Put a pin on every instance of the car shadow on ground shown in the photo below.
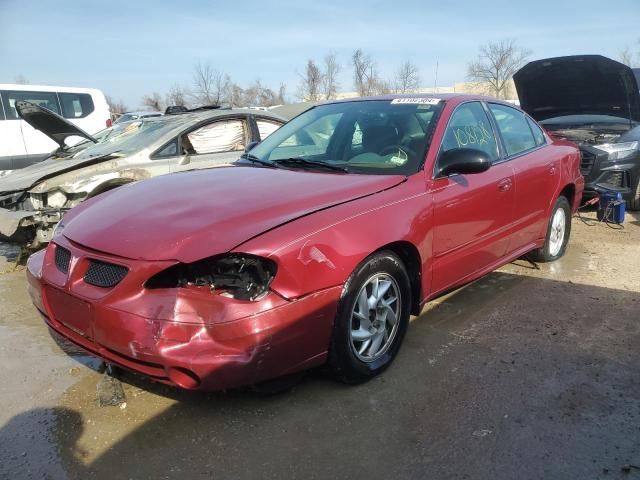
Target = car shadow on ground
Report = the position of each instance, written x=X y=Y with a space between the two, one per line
x=510 y=377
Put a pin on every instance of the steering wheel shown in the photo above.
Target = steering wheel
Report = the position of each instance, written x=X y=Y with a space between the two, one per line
x=395 y=148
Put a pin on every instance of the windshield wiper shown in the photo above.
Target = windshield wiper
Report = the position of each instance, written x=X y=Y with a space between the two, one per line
x=254 y=159
x=303 y=162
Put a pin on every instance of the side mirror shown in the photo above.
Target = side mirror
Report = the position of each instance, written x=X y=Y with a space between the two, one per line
x=462 y=161
x=185 y=160
x=250 y=146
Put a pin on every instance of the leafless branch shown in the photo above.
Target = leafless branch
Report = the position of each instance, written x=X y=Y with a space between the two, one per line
x=208 y=84
x=116 y=106
x=153 y=101
x=310 y=82
x=330 y=83
x=407 y=78
x=496 y=64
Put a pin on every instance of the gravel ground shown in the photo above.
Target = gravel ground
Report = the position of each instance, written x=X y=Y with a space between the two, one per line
x=524 y=374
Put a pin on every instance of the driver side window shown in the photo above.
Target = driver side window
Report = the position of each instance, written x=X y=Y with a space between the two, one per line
x=217 y=137
x=469 y=127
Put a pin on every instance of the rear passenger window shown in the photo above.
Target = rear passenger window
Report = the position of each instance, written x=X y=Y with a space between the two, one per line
x=513 y=126
x=48 y=100
x=266 y=128
x=76 y=105
x=537 y=132
x=1 y=109
x=469 y=127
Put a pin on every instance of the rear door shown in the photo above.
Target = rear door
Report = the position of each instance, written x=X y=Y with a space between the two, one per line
x=536 y=172
x=472 y=213
x=219 y=142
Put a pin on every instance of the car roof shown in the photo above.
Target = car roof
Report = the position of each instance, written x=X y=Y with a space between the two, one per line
x=21 y=87
x=458 y=97
x=197 y=116
x=142 y=112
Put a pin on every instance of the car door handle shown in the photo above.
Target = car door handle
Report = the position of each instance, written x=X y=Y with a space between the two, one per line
x=504 y=185
x=552 y=169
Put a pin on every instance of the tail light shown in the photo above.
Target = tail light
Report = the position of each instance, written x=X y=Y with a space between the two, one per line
x=109 y=123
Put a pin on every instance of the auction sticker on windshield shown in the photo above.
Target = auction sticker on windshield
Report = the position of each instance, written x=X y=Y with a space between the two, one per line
x=416 y=101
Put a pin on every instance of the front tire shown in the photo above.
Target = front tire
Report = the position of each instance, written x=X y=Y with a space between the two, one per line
x=558 y=232
x=372 y=318
x=634 y=203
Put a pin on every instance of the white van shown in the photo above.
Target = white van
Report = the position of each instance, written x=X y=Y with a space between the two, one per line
x=21 y=144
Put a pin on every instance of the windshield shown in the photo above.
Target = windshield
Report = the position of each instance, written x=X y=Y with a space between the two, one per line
x=125 y=139
x=127 y=117
x=374 y=136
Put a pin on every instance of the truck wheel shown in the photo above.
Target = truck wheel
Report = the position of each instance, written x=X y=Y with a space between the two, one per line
x=634 y=203
x=372 y=318
x=558 y=232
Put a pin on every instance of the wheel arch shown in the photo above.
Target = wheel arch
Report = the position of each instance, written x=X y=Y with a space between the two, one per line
x=410 y=256
x=109 y=185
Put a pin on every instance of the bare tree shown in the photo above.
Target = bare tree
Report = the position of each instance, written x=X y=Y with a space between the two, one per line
x=496 y=64
x=365 y=74
x=407 y=78
x=282 y=94
x=208 y=84
x=176 y=95
x=233 y=94
x=116 y=107
x=21 y=79
x=330 y=83
x=626 y=56
x=310 y=82
x=153 y=101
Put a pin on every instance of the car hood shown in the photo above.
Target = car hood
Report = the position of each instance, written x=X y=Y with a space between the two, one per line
x=576 y=85
x=25 y=178
x=51 y=124
x=192 y=215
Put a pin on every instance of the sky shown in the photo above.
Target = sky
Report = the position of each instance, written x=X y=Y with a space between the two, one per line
x=132 y=48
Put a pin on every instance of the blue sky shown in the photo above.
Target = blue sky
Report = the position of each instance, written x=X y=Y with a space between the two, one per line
x=129 y=48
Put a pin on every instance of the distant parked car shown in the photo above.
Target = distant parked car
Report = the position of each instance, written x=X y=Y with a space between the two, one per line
x=131 y=116
x=21 y=144
x=315 y=247
x=34 y=199
x=594 y=102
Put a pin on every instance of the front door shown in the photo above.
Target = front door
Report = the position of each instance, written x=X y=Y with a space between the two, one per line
x=216 y=143
x=472 y=213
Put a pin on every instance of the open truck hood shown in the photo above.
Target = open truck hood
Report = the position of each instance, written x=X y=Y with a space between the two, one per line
x=193 y=215
x=578 y=85
x=51 y=124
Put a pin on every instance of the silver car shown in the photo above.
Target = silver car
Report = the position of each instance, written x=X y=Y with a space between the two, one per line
x=34 y=199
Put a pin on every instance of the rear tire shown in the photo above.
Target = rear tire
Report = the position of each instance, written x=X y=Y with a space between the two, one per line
x=634 y=203
x=558 y=233
x=372 y=319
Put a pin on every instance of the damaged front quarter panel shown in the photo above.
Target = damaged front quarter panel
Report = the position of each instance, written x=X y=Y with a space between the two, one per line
x=49 y=200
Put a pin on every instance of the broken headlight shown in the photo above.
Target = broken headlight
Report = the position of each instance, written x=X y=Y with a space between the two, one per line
x=619 y=151
x=56 y=199
x=240 y=276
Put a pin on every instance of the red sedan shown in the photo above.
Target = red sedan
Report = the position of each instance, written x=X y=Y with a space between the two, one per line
x=315 y=247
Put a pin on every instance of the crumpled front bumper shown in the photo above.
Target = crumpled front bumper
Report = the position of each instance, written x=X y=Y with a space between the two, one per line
x=28 y=226
x=187 y=337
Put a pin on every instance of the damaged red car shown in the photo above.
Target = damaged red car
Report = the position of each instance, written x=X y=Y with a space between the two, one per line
x=315 y=247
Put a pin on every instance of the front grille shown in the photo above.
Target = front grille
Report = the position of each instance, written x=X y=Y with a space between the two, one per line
x=103 y=274
x=586 y=162
x=62 y=259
